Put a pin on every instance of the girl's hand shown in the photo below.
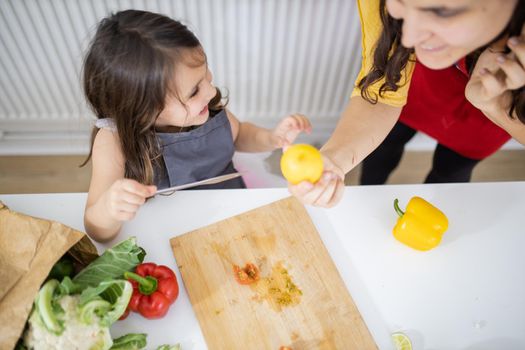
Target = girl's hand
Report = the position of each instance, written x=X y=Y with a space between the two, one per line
x=326 y=192
x=495 y=75
x=124 y=198
x=288 y=129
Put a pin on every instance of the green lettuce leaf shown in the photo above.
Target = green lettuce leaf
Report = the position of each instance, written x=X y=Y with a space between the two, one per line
x=111 y=265
x=68 y=287
x=47 y=308
x=132 y=341
x=169 y=347
x=108 y=301
x=79 y=311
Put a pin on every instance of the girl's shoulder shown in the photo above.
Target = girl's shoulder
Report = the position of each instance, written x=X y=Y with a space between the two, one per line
x=107 y=145
x=106 y=140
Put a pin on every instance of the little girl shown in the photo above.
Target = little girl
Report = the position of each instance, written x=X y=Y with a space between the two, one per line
x=160 y=121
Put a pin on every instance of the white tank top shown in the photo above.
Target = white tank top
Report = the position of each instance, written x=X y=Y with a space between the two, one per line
x=106 y=123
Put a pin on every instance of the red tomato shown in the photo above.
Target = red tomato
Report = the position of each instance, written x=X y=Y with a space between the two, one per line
x=247 y=275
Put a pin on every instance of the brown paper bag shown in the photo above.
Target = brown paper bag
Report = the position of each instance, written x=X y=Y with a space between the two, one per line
x=29 y=247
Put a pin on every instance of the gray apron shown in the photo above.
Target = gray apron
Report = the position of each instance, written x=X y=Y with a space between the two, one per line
x=198 y=154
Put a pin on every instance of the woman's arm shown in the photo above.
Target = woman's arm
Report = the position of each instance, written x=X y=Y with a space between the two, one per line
x=362 y=127
x=513 y=126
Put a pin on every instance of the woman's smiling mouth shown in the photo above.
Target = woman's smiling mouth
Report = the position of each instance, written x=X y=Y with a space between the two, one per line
x=432 y=48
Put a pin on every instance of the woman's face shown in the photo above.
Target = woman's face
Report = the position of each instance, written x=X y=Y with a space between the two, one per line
x=195 y=90
x=444 y=31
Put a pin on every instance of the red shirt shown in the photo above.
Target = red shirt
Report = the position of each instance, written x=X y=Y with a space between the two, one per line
x=437 y=106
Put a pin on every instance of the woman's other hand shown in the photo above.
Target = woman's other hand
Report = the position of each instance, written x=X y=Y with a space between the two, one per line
x=494 y=76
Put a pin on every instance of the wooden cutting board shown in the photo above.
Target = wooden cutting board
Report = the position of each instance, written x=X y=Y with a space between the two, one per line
x=281 y=240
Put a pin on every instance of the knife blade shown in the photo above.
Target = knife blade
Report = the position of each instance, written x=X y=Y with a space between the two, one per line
x=210 y=181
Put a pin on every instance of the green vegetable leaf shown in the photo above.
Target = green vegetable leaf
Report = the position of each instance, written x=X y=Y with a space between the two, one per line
x=111 y=265
x=94 y=307
x=68 y=287
x=82 y=309
x=169 y=347
x=108 y=301
x=132 y=341
x=62 y=268
x=46 y=308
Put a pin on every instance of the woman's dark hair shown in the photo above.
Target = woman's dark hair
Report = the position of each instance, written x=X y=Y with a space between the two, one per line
x=128 y=72
x=391 y=58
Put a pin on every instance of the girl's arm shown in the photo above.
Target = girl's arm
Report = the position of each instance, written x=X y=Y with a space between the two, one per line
x=249 y=137
x=362 y=127
x=111 y=198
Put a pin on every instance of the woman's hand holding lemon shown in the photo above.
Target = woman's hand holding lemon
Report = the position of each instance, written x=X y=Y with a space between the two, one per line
x=313 y=178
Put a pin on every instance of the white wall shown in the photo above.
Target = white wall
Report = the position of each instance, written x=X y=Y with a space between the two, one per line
x=274 y=56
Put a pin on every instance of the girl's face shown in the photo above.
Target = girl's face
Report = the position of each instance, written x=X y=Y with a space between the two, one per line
x=444 y=31
x=195 y=89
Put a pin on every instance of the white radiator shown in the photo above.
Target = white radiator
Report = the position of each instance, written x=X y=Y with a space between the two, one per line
x=273 y=56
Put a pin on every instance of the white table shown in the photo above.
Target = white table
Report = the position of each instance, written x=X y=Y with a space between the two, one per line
x=468 y=293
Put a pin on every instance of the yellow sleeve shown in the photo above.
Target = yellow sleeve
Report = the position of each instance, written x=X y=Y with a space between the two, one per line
x=371 y=27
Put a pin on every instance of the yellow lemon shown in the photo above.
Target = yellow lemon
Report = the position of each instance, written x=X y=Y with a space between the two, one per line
x=302 y=162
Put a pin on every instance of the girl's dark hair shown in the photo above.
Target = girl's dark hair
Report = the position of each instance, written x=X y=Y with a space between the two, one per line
x=391 y=58
x=128 y=72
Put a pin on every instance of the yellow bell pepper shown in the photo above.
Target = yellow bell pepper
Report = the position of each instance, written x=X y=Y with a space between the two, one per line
x=421 y=226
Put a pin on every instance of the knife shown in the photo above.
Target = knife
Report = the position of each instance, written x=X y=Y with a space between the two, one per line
x=210 y=181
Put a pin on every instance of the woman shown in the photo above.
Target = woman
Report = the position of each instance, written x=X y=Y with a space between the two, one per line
x=435 y=66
